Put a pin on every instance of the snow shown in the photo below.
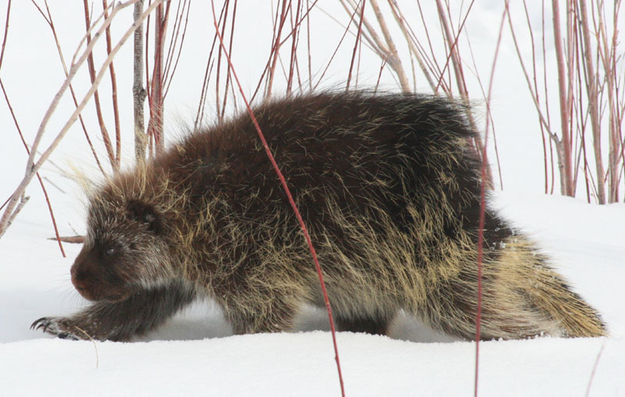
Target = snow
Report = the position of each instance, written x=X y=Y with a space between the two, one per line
x=195 y=353
x=301 y=365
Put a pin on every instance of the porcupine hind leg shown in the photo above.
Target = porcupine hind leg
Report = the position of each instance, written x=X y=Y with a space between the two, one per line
x=358 y=307
x=369 y=325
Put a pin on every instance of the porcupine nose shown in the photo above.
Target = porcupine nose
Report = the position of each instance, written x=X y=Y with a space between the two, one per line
x=78 y=278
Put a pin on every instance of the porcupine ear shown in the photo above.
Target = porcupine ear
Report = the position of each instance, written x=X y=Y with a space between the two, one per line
x=144 y=213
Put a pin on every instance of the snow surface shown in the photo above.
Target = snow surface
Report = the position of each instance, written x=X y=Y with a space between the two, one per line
x=195 y=353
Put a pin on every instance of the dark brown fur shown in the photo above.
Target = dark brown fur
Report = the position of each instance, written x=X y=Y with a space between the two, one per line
x=389 y=189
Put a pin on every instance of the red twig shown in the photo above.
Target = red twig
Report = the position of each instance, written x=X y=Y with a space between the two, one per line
x=33 y=164
x=309 y=58
x=483 y=183
x=594 y=369
x=535 y=82
x=431 y=59
x=96 y=96
x=356 y=44
x=176 y=43
x=298 y=22
x=155 y=95
x=451 y=39
x=47 y=16
x=275 y=50
x=223 y=21
x=452 y=42
x=586 y=176
x=336 y=50
x=546 y=90
x=146 y=46
x=43 y=188
x=207 y=74
x=490 y=125
x=230 y=48
x=593 y=99
x=268 y=64
x=290 y=198
x=480 y=255
x=377 y=82
x=118 y=137
x=6 y=31
x=19 y=130
x=294 y=42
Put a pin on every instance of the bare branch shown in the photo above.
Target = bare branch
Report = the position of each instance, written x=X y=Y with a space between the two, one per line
x=138 y=90
x=96 y=96
x=393 y=60
x=32 y=166
x=566 y=166
x=593 y=100
x=118 y=138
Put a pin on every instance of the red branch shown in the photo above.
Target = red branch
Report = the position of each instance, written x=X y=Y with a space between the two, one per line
x=118 y=137
x=480 y=256
x=43 y=187
x=268 y=64
x=6 y=31
x=483 y=182
x=356 y=44
x=96 y=96
x=47 y=16
x=289 y=196
x=19 y=130
x=594 y=369
x=155 y=125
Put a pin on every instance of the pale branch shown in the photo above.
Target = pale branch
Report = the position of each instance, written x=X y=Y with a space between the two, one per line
x=32 y=166
x=393 y=57
x=593 y=98
x=138 y=90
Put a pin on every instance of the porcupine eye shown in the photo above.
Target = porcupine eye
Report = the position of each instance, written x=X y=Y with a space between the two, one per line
x=145 y=214
x=112 y=249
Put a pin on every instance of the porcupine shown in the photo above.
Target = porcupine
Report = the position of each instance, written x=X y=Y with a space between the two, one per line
x=389 y=188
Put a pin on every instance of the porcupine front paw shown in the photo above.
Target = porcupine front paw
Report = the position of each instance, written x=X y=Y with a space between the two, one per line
x=59 y=326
